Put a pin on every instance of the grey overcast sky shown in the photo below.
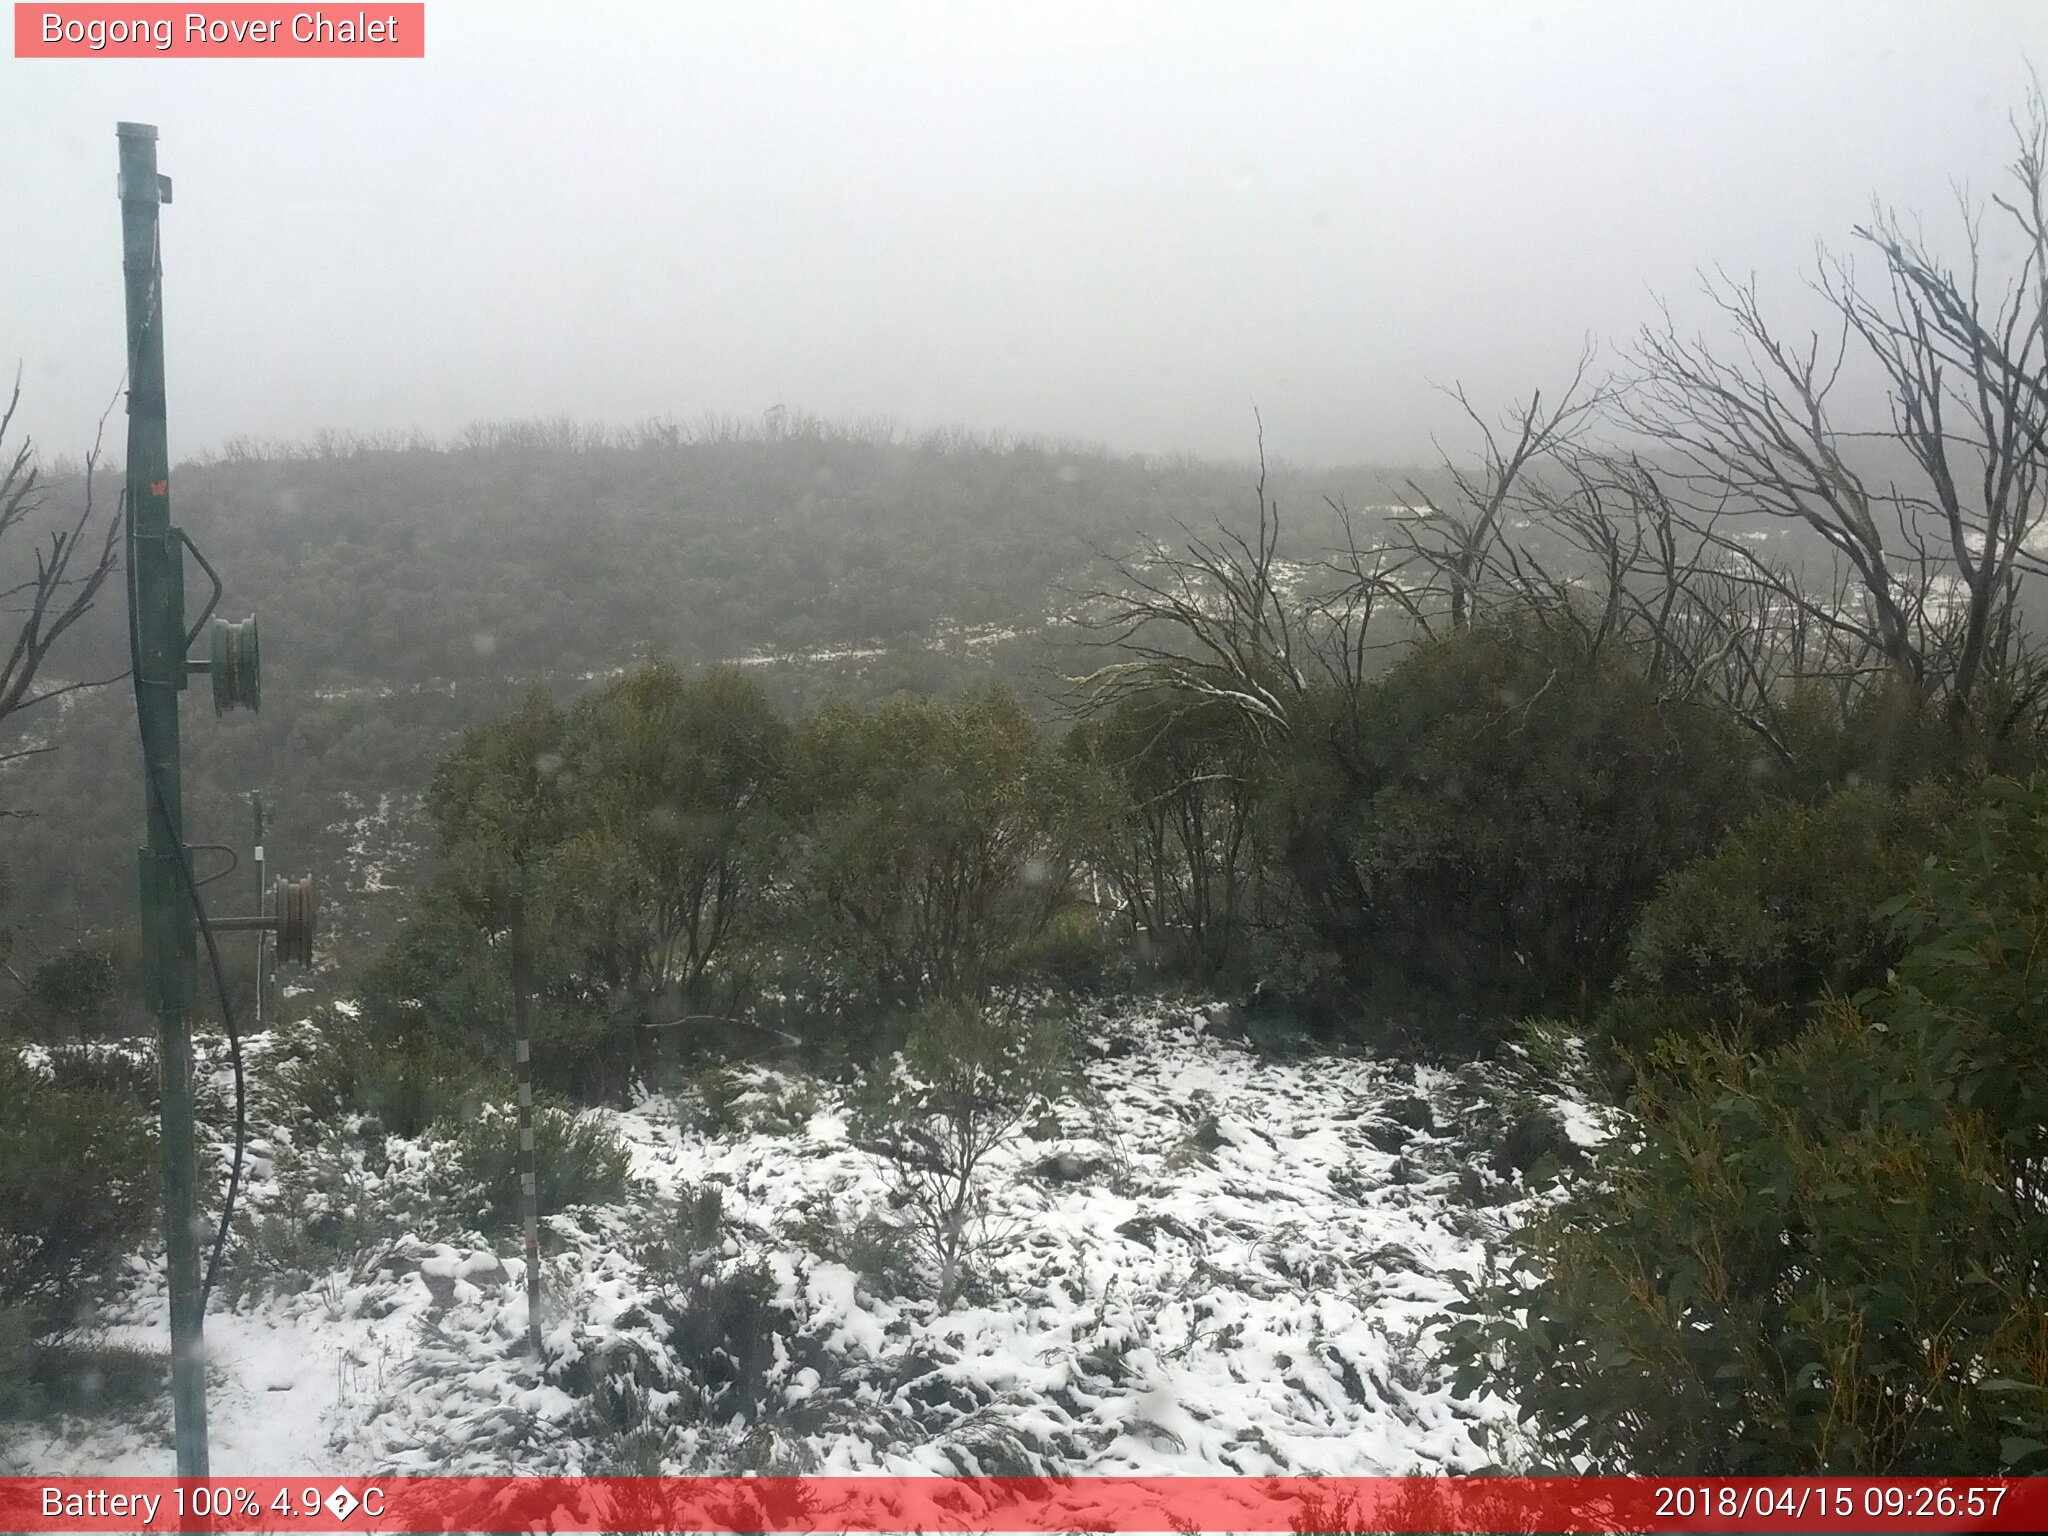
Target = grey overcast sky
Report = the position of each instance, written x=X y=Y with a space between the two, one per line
x=1116 y=221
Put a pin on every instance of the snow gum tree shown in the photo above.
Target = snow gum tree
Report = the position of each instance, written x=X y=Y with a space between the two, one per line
x=933 y=842
x=674 y=832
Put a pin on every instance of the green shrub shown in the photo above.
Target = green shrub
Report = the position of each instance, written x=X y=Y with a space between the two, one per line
x=1076 y=952
x=579 y=1160
x=626 y=849
x=714 y=1106
x=1482 y=830
x=329 y=1209
x=1809 y=1263
x=933 y=843
x=673 y=838
x=883 y=1252
x=1783 y=911
x=75 y=989
x=446 y=981
x=80 y=1375
x=1829 y=1258
x=1892 y=734
x=786 y=1107
x=1976 y=976
x=404 y=1084
x=726 y=1330
x=78 y=1191
x=722 y=1317
x=969 y=1082
x=679 y=1235
x=17 y=1362
x=439 y=977
x=124 y=1074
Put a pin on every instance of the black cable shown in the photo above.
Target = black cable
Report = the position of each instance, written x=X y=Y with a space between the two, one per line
x=234 y=860
x=220 y=979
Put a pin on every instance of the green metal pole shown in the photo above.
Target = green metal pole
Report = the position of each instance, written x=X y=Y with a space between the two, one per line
x=158 y=595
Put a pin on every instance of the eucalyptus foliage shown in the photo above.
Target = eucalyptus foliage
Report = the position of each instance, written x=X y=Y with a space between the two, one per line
x=1831 y=1257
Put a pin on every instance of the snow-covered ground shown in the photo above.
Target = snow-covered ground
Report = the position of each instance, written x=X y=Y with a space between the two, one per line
x=1211 y=1260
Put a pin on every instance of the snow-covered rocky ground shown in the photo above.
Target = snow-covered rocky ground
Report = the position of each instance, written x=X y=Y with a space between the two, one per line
x=1213 y=1260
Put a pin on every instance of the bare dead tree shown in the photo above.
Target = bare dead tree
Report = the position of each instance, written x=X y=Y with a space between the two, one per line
x=1455 y=541
x=1209 y=623
x=1757 y=434
x=1960 y=324
x=1175 y=843
x=1698 y=608
x=1968 y=374
x=1935 y=565
x=1653 y=550
x=1216 y=621
x=1358 y=582
x=47 y=593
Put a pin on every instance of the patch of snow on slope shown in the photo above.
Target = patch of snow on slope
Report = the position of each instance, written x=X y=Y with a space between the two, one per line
x=1217 y=1262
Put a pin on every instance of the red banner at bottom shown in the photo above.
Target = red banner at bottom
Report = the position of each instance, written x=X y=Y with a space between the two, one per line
x=1021 y=1504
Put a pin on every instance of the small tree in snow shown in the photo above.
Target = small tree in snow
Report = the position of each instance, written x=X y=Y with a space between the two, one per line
x=968 y=1081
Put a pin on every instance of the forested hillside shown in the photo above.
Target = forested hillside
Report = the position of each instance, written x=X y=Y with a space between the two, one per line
x=406 y=590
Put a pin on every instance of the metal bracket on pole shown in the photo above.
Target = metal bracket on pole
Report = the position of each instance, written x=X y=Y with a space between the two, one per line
x=290 y=921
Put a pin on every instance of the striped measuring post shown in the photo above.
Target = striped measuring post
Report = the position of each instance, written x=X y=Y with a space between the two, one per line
x=529 y=1186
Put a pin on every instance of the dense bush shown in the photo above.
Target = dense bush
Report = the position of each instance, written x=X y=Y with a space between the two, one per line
x=80 y=1375
x=1785 y=909
x=1482 y=830
x=441 y=977
x=125 y=1073
x=1079 y=950
x=402 y=1085
x=579 y=1159
x=620 y=856
x=448 y=978
x=78 y=1192
x=932 y=841
x=1975 y=979
x=1171 y=825
x=672 y=789
x=84 y=991
x=1829 y=1258
x=76 y=987
x=333 y=1204
x=1805 y=1263
x=637 y=858
x=727 y=1330
x=1473 y=831
x=1890 y=734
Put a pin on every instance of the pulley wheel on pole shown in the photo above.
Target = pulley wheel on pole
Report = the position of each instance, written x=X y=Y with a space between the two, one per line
x=295 y=916
x=236 y=666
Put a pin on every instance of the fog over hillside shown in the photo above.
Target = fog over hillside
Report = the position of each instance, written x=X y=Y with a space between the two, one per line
x=1123 y=223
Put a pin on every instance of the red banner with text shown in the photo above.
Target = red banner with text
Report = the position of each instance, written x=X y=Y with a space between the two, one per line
x=218 y=32
x=1179 y=1504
